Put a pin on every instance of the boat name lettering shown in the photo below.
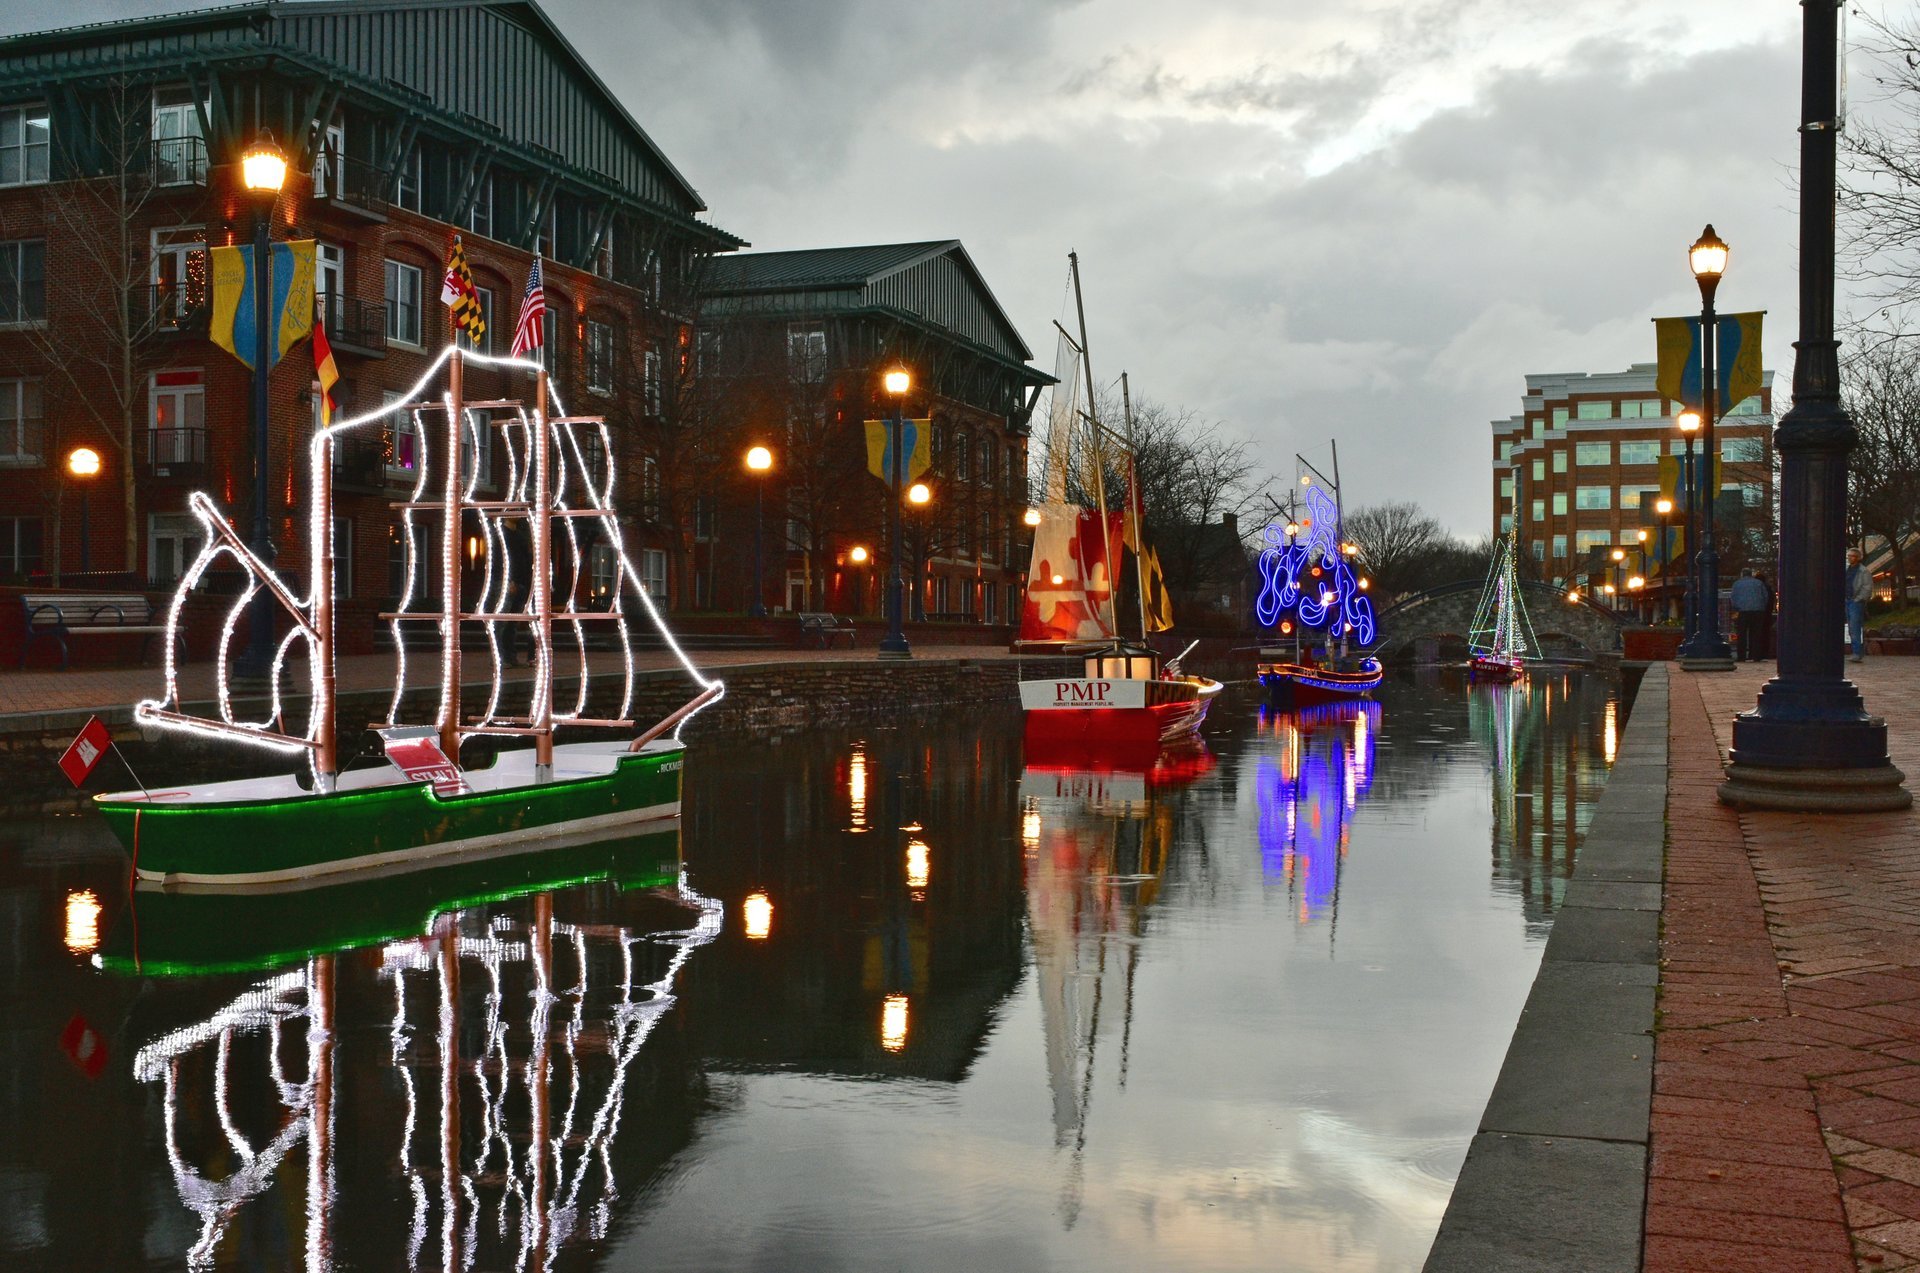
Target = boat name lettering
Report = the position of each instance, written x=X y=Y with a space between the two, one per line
x=1081 y=691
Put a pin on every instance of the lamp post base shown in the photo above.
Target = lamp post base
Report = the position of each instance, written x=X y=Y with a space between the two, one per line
x=894 y=647
x=1876 y=790
x=1706 y=663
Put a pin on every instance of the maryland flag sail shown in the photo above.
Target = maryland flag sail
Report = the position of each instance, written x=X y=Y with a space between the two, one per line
x=1070 y=583
x=457 y=294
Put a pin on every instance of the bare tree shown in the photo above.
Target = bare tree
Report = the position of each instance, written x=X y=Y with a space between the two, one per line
x=1882 y=388
x=1879 y=192
x=1398 y=543
x=107 y=175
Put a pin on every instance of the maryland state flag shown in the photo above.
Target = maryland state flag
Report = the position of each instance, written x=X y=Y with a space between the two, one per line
x=457 y=294
x=325 y=372
x=1738 y=356
x=916 y=453
x=1153 y=585
x=289 y=299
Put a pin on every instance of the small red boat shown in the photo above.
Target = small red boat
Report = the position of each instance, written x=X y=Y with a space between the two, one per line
x=1495 y=668
x=1309 y=684
x=1125 y=697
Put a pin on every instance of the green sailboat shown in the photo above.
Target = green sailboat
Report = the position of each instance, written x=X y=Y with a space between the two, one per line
x=424 y=807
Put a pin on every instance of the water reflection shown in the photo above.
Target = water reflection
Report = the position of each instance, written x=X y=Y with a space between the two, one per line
x=980 y=1008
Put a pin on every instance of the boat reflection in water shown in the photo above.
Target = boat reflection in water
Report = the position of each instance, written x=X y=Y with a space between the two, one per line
x=1096 y=828
x=494 y=1024
x=1316 y=768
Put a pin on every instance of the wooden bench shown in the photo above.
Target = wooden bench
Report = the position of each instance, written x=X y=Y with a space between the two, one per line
x=60 y=615
x=825 y=627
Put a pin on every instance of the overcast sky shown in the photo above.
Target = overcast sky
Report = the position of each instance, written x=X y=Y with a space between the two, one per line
x=1365 y=220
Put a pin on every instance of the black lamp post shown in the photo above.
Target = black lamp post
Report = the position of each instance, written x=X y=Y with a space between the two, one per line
x=1689 y=424
x=83 y=464
x=1809 y=743
x=1707 y=650
x=263 y=170
x=759 y=460
x=894 y=644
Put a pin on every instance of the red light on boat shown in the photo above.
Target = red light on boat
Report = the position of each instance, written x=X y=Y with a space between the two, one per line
x=1285 y=628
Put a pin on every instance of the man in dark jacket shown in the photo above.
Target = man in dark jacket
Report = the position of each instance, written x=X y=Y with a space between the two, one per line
x=1749 y=597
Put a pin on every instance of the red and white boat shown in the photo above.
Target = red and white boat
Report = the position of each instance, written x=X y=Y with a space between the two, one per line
x=1125 y=698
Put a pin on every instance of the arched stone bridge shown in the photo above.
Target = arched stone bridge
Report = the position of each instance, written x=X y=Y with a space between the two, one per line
x=1448 y=611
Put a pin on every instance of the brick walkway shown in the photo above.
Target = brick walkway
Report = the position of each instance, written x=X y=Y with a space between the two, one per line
x=92 y=689
x=1786 y=1112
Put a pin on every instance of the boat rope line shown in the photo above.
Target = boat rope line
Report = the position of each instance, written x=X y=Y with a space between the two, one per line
x=577 y=496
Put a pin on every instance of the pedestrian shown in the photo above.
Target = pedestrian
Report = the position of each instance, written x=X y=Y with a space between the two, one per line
x=1859 y=592
x=1749 y=597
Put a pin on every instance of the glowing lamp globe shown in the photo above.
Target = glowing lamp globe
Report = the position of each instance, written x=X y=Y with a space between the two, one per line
x=857 y=555
x=263 y=166
x=919 y=493
x=1573 y=596
x=759 y=459
x=1032 y=517
x=1636 y=583
x=1689 y=421
x=1663 y=507
x=1708 y=255
x=897 y=382
x=1619 y=554
x=83 y=461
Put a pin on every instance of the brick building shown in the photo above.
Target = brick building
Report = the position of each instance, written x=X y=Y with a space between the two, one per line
x=794 y=344
x=404 y=123
x=1580 y=468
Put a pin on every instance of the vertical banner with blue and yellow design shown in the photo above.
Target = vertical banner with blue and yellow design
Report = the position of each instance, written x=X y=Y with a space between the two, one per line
x=289 y=299
x=1677 y=341
x=916 y=452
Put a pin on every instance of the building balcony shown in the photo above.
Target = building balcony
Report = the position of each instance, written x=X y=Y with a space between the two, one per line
x=354 y=326
x=177 y=161
x=360 y=464
x=176 y=455
x=172 y=309
x=352 y=185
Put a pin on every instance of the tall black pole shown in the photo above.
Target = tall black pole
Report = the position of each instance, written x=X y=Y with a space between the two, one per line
x=257 y=660
x=894 y=644
x=758 y=610
x=1809 y=743
x=1708 y=651
x=1690 y=624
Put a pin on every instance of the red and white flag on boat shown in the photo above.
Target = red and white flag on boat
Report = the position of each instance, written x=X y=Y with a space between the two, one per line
x=86 y=751
x=1070 y=583
x=415 y=752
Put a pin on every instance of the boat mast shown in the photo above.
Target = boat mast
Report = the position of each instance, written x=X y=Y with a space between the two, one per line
x=1137 y=506
x=450 y=566
x=1339 y=538
x=326 y=758
x=539 y=595
x=1099 y=449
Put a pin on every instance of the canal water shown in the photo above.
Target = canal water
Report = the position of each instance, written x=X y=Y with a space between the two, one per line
x=890 y=998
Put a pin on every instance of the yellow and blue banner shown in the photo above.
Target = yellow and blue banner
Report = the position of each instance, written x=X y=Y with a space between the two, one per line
x=1677 y=341
x=289 y=303
x=915 y=448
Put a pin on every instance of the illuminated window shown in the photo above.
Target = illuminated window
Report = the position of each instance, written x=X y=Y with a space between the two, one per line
x=1593 y=453
x=1559 y=503
x=1594 y=411
x=1559 y=461
x=1630 y=498
x=1593 y=497
x=1639 y=453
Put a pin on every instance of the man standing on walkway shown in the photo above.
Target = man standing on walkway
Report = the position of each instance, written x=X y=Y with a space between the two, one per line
x=1749 y=597
x=1859 y=592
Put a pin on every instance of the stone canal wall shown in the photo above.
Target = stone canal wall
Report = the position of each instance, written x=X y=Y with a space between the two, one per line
x=760 y=698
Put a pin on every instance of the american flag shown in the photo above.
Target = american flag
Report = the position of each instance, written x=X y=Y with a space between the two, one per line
x=530 y=333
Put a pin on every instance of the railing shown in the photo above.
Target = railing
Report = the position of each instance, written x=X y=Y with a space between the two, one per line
x=180 y=309
x=176 y=453
x=360 y=463
x=351 y=183
x=353 y=322
x=178 y=161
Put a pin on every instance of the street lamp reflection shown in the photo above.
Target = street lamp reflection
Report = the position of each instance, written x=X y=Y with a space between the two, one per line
x=893 y=1023
x=917 y=866
x=857 y=788
x=83 y=921
x=756 y=913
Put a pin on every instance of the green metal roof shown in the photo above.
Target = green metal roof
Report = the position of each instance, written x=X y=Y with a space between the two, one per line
x=935 y=281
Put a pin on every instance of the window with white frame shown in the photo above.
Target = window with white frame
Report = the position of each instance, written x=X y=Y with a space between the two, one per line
x=653 y=572
x=23 y=281
x=1593 y=497
x=180 y=276
x=173 y=541
x=402 y=441
x=1639 y=453
x=403 y=302
x=176 y=418
x=1593 y=453
x=650 y=381
x=329 y=285
x=1593 y=411
x=480 y=215
x=21 y=425
x=21 y=541
x=330 y=163
x=599 y=354
x=24 y=144
x=343 y=557
x=477 y=438
x=179 y=145
x=807 y=354
x=396 y=561
x=1559 y=546
x=962 y=456
x=1743 y=450
x=1559 y=503
x=406 y=192
x=1630 y=497
x=649 y=486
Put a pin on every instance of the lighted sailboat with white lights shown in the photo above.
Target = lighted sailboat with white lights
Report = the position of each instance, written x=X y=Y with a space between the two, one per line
x=1127 y=694
x=423 y=804
x=1501 y=637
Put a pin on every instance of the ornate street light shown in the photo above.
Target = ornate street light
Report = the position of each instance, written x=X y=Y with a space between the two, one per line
x=263 y=170
x=1809 y=743
x=1707 y=650
x=894 y=644
x=759 y=461
x=83 y=463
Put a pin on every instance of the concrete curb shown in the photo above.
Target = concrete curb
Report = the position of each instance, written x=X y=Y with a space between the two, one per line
x=1556 y=1177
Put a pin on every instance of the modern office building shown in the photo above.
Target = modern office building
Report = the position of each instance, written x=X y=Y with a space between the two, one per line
x=1580 y=469
x=405 y=123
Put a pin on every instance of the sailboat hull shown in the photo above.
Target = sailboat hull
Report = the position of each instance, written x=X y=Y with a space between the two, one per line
x=1305 y=685
x=270 y=832
x=1117 y=711
x=1492 y=667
